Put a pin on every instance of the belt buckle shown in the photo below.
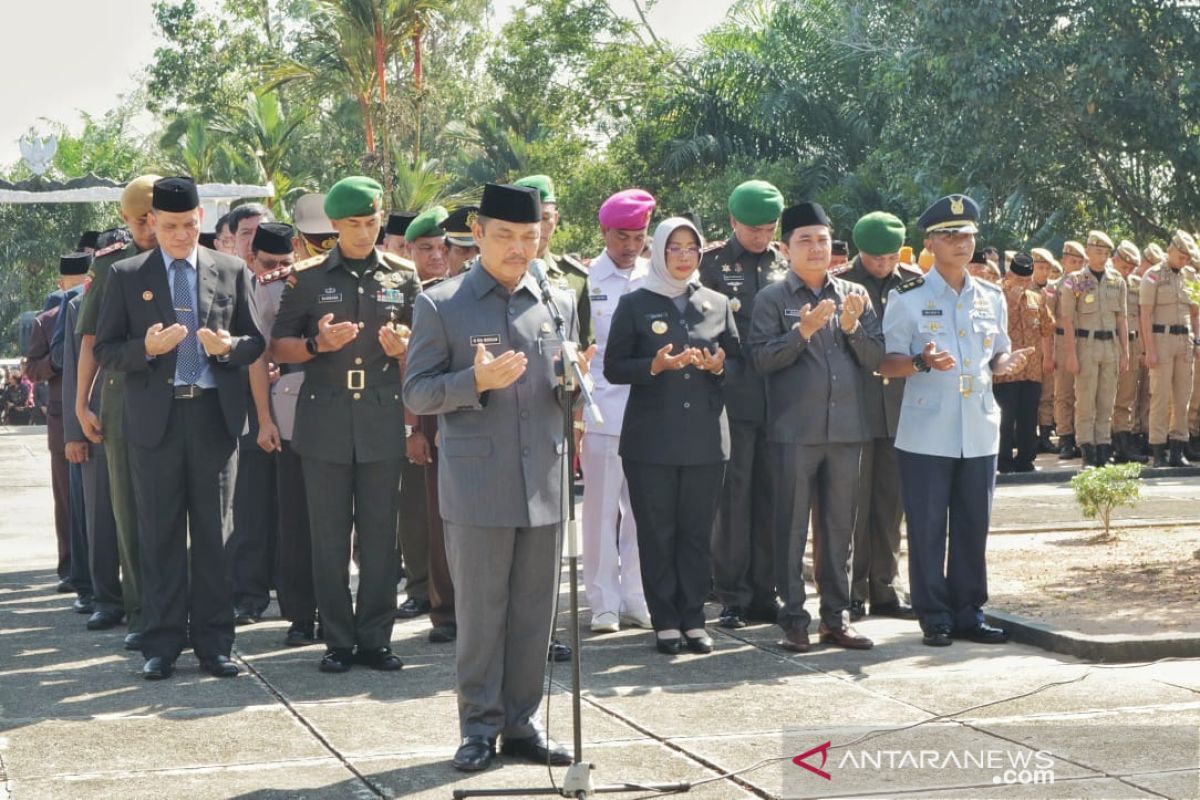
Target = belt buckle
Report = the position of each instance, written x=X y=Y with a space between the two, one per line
x=356 y=379
x=185 y=392
x=966 y=385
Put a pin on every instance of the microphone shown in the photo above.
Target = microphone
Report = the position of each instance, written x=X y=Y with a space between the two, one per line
x=537 y=269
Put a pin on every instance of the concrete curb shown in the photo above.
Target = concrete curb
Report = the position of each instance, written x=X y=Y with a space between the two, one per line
x=1065 y=474
x=1106 y=648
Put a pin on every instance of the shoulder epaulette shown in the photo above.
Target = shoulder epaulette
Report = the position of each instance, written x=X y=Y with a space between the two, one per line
x=393 y=260
x=711 y=246
x=115 y=247
x=275 y=275
x=911 y=284
x=990 y=285
x=841 y=269
x=573 y=262
x=309 y=263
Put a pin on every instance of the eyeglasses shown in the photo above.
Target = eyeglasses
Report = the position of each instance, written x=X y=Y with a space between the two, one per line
x=679 y=250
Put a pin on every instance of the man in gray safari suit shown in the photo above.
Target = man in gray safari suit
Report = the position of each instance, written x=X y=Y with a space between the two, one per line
x=482 y=357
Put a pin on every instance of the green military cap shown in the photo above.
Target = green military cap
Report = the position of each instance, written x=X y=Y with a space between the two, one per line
x=426 y=224
x=879 y=234
x=542 y=183
x=356 y=196
x=756 y=203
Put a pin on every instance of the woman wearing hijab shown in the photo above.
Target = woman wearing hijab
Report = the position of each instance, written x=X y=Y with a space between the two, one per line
x=673 y=342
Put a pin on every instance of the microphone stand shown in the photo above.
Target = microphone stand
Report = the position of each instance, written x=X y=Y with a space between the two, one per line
x=578 y=781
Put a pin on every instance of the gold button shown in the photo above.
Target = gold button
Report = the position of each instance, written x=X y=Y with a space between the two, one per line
x=357 y=396
x=962 y=333
x=967 y=362
x=358 y=360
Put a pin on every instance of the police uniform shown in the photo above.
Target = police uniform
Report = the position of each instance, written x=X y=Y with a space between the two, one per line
x=948 y=434
x=1094 y=308
x=350 y=431
x=1125 y=408
x=1029 y=325
x=1168 y=314
x=1064 y=381
x=743 y=540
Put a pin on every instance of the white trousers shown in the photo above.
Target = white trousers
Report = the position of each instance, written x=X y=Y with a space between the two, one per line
x=612 y=574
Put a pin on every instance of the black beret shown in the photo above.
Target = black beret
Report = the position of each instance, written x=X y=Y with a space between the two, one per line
x=88 y=239
x=398 y=222
x=273 y=237
x=75 y=264
x=511 y=203
x=802 y=215
x=978 y=257
x=177 y=194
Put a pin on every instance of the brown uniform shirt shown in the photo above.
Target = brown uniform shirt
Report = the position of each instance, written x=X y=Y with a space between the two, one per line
x=1164 y=290
x=1029 y=319
x=1094 y=304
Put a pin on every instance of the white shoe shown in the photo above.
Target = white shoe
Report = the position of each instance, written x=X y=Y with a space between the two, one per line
x=605 y=622
x=637 y=619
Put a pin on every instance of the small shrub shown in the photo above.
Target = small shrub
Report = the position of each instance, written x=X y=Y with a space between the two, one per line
x=1099 y=490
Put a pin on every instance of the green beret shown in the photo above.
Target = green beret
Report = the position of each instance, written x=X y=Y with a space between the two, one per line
x=756 y=203
x=357 y=196
x=542 y=183
x=879 y=234
x=427 y=224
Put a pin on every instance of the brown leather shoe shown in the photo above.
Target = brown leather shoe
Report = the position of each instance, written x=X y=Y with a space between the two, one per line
x=795 y=640
x=843 y=637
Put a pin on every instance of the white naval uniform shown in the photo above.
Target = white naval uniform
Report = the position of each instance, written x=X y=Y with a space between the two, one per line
x=612 y=573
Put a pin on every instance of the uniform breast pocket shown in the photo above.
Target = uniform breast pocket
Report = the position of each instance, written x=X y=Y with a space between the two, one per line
x=932 y=328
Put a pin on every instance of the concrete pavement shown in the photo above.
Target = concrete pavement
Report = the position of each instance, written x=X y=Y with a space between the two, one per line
x=76 y=720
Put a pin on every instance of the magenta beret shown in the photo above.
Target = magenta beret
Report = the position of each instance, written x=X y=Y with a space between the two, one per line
x=629 y=210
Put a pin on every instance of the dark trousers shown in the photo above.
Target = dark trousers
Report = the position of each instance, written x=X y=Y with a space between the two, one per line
x=743 y=544
x=1018 y=422
x=414 y=530
x=124 y=506
x=297 y=598
x=954 y=492
x=441 y=585
x=674 y=507
x=103 y=550
x=183 y=489
x=824 y=477
x=250 y=548
x=60 y=487
x=876 y=551
x=365 y=497
x=81 y=573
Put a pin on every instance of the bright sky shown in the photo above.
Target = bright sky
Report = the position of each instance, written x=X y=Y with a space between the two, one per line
x=64 y=57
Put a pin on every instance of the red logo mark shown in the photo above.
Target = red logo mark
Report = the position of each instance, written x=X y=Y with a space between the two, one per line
x=823 y=749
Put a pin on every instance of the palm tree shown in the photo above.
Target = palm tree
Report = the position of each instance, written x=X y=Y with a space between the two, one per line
x=197 y=148
x=424 y=185
x=273 y=133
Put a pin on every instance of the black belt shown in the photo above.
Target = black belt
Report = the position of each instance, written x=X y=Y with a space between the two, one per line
x=1099 y=336
x=1059 y=331
x=189 y=391
x=1178 y=330
x=1133 y=335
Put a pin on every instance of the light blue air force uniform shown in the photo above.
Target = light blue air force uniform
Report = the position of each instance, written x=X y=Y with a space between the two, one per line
x=950 y=413
x=946 y=442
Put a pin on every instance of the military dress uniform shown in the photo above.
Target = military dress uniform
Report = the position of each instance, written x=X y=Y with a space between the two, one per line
x=1064 y=381
x=1126 y=413
x=350 y=434
x=1095 y=305
x=568 y=273
x=743 y=545
x=1019 y=393
x=1169 y=312
x=949 y=435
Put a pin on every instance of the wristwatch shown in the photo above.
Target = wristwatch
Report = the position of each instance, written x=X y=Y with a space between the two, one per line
x=919 y=362
x=310 y=344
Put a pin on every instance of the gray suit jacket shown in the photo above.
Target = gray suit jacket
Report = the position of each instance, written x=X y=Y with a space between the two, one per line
x=501 y=454
x=72 y=431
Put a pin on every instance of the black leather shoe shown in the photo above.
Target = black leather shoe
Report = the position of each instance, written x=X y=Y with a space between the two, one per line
x=732 y=617
x=219 y=667
x=475 y=753
x=669 y=647
x=937 y=636
x=858 y=610
x=380 y=658
x=699 y=644
x=558 y=652
x=64 y=587
x=133 y=641
x=300 y=634
x=442 y=634
x=158 y=668
x=983 y=634
x=897 y=610
x=764 y=612
x=83 y=604
x=412 y=607
x=103 y=620
x=245 y=616
x=336 y=660
x=537 y=748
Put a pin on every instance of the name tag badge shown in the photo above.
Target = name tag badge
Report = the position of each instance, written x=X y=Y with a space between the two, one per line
x=931 y=312
x=599 y=297
x=390 y=296
x=485 y=339
x=791 y=312
x=330 y=295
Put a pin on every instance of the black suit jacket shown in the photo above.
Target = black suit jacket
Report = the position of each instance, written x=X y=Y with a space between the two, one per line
x=137 y=295
x=677 y=416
